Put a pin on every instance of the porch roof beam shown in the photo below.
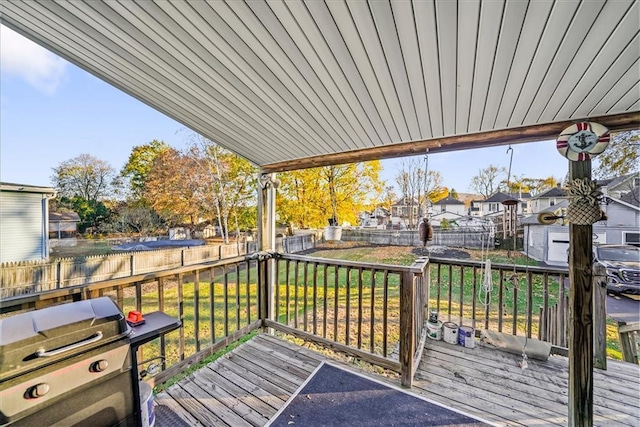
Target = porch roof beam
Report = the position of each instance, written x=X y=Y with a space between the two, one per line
x=493 y=138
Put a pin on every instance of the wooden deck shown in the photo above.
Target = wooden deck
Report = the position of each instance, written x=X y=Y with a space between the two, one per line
x=248 y=386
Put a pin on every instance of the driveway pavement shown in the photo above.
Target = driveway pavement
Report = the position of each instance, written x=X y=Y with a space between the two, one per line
x=624 y=308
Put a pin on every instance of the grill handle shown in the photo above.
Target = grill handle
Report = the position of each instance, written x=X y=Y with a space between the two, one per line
x=43 y=353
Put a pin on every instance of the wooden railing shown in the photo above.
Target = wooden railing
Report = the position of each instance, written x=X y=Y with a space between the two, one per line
x=367 y=310
x=511 y=302
x=217 y=303
x=375 y=312
x=629 y=334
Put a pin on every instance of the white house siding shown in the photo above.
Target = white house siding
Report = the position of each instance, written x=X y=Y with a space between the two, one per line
x=621 y=215
x=23 y=226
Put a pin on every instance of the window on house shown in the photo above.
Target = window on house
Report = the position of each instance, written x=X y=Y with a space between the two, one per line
x=552 y=202
x=631 y=238
x=442 y=208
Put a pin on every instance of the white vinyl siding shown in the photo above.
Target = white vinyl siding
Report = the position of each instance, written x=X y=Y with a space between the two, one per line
x=22 y=228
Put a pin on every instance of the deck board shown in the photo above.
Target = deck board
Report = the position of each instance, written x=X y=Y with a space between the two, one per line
x=247 y=386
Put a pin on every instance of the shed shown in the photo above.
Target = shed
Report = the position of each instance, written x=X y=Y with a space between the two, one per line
x=63 y=224
x=24 y=222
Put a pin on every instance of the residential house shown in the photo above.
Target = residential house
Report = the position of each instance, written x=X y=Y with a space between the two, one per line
x=619 y=186
x=24 y=222
x=405 y=213
x=547 y=199
x=448 y=209
x=549 y=243
x=494 y=205
x=378 y=218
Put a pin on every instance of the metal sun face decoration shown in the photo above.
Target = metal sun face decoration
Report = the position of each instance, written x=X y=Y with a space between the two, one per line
x=583 y=141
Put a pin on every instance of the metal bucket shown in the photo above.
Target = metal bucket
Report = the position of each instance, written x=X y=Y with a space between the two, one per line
x=466 y=337
x=434 y=330
x=147 y=409
x=450 y=332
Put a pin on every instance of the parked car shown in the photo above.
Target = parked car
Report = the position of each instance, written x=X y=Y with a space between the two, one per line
x=622 y=263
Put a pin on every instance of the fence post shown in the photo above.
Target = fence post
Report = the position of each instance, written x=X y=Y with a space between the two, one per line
x=58 y=275
x=132 y=265
x=407 y=343
x=599 y=317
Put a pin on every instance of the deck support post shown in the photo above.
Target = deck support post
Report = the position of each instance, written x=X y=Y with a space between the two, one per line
x=407 y=335
x=580 y=314
x=267 y=239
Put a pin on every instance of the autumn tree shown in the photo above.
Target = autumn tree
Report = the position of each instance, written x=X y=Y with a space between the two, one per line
x=487 y=181
x=138 y=167
x=308 y=198
x=175 y=188
x=435 y=190
x=128 y=218
x=536 y=186
x=621 y=157
x=298 y=197
x=231 y=183
x=86 y=177
x=389 y=197
x=84 y=184
x=416 y=186
x=349 y=186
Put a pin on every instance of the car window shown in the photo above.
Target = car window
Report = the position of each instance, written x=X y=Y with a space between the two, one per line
x=619 y=254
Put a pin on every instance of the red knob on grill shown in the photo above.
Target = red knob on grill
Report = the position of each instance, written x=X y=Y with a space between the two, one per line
x=99 y=366
x=36 y=391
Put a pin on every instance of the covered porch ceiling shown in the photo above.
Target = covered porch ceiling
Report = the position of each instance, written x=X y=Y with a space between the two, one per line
x=294 y=84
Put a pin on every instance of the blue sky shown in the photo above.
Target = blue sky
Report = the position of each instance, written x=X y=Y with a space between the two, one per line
x=52 y=111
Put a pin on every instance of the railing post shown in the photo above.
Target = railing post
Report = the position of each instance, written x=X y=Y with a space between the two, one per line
x=599 y=317
x=407 y=336
x=263 y=286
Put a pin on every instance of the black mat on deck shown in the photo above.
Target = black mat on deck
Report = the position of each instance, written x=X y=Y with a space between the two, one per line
x=165 y=417
x=336 y=397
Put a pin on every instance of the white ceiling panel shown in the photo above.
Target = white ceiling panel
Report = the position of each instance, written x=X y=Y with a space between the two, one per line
x=290 y=83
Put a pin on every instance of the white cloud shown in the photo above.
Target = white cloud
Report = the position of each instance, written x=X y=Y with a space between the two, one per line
x=22 y=58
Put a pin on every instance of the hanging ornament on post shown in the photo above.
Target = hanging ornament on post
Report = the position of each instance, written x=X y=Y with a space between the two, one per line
x=580 y=142
x=583 y=141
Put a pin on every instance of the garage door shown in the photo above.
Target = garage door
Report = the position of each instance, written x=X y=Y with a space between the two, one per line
x=559 y=245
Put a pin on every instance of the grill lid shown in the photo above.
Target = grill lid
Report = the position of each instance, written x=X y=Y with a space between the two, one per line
x=33 y=339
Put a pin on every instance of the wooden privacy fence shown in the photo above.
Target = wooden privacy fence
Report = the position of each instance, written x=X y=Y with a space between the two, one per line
x=362 y=309
x=459 y=239
x=37 y=276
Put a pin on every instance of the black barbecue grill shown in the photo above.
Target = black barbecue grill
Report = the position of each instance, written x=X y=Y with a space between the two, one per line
x=72 y=364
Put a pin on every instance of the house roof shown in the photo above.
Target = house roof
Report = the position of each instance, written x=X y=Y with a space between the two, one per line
x=611 y=183
x=289 y=85
x=552 y=192
x=632 y=197
x=500 y=197
x=64 y=217
x=23 y=188
x=406 y=201
x=449 y=201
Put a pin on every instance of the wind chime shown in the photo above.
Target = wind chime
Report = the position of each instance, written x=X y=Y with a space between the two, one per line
x=425 y=229
x=510 y=211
